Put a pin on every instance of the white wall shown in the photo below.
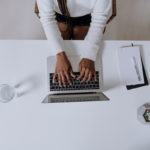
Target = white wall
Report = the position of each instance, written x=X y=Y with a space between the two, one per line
x=18 y=21
x=132 y=21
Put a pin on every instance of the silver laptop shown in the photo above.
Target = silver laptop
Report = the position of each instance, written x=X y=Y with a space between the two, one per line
x=78 y=92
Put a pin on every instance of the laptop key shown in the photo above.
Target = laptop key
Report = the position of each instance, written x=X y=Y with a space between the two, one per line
x=76 y=84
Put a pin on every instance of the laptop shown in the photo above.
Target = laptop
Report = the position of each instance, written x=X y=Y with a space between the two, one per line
x=78 y=92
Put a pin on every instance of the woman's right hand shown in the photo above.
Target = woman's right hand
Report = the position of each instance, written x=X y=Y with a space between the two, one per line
x=63 y=69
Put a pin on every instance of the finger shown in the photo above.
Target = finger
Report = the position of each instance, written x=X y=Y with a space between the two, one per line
x=72 y=74
x=81 y=74
x=63 y=79
x=68 y=78
x=95 y=77
x=89 y=77
x=60 y=80
x=54 y=77
x=86 y=75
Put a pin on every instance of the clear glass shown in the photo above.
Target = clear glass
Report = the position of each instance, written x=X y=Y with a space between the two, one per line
x=7 y=93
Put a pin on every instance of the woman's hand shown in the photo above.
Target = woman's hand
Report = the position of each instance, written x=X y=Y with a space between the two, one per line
x=87 y=69
x=63 y=69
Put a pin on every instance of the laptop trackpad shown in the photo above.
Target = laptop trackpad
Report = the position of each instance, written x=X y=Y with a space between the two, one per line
x=75 y=97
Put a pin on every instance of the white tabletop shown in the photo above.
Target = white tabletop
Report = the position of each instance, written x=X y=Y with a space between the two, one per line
x=25 y=123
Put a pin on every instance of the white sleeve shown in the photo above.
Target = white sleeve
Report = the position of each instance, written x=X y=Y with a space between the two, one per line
x=98 y=22
x=47 y=18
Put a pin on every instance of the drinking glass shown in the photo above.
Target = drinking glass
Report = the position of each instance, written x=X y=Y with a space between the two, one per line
x=7 y=93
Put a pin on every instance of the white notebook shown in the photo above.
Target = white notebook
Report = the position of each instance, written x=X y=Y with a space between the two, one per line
x=130 y=65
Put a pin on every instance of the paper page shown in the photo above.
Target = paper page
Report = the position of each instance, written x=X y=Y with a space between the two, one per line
x=130 y=65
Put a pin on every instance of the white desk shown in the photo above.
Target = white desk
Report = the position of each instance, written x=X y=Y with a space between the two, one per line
x=26 y=124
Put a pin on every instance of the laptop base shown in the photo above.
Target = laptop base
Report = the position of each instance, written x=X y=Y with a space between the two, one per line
x=75 y=97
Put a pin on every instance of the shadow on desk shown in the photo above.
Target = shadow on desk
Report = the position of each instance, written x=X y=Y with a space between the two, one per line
x=28 y=84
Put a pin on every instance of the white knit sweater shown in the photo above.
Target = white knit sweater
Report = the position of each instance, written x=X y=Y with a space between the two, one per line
x=99 y=10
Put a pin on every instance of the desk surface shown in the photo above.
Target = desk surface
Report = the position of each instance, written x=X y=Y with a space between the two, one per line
x=25 y=123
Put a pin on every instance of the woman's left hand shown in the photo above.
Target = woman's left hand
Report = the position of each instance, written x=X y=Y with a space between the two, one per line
x=87 y=69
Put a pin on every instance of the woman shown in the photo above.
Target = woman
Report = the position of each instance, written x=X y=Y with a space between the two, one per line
x=90 y=17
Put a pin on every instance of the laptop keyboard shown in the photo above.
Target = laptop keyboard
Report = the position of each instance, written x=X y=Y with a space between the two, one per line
x=76 y=84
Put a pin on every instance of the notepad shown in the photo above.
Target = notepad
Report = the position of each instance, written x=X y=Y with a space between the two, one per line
x=130 y=65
